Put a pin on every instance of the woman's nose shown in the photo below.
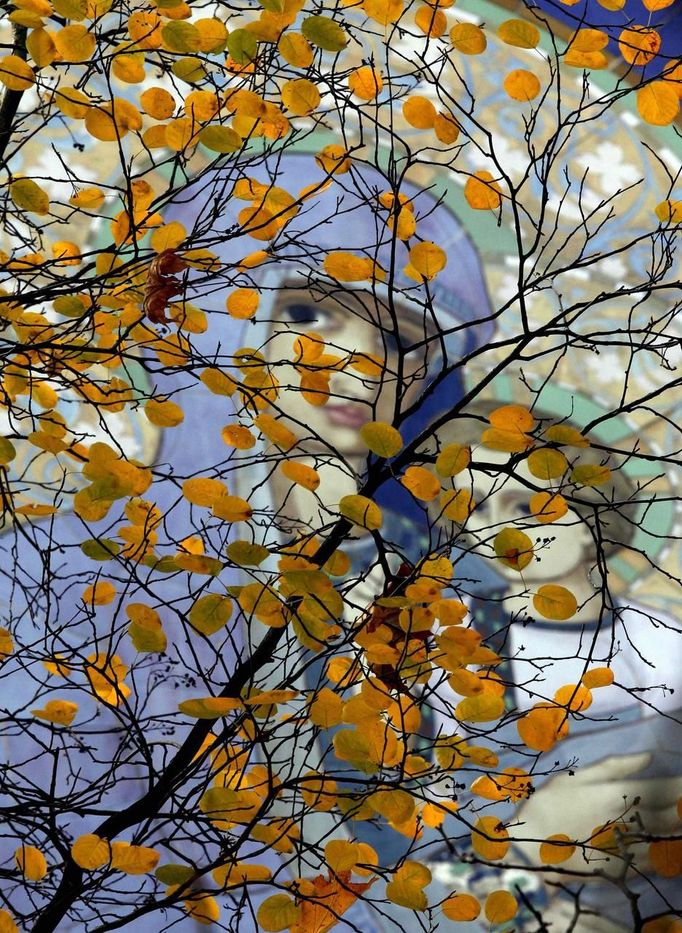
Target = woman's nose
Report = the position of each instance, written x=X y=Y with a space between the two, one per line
x=354 y=386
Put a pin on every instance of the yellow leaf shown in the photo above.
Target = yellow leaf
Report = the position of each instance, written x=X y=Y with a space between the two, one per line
x=90 y=199
x=452 y=459
x=419 y=112
x=658 y=103
x=31 y=863
x=589 y=40
x=547 y=507
x=333 y=159
x=15 y=73
x=428 y=259
x=213 y=33
x=598 y=677
x=519 y=32
x=365 y=82
x=556 y=849
x=326 y=709
x=210 y=613
x=158 y=103
x=6 y=643
x=128 y=66
x=70 y=9
x=66 y=253
x=434 y=814
x=242 y=303
x=588 y=474
x=482 y=193
x=421 y=483
x=203 y=908
x=91 y=852
x=60 y=712
x=209 y=707
x=461 y=907
x=232 y=509
x=381 y=438
x=75 y=43
x=238 y=436
x=347 y=267
x=319 y=792
x=145 y=630
x=202 y=490
x=270 y=697
x=406 y=887
x=555 y=602
x=168 y=236
x=218 y=382
x=396 y=806
x=457 y=505
x=113 y=120
x=639 y=45
x=300 y=96
x=28 y=196
x=666 y=857
x=361 y=511
x=7 y=925
x=450 y=611
x=546 y=463
x=275 y=431
x=100 y=593
x=485 y=707
x=164 y=413
x=500 y=906
x=446 y=128
x=669 y=212
x=300 y=474
x=341 y=855
x=490 y=839
x=277 y=912
x=575 y=697
x=566 y=436
x=239 y=873
x=432 y=22
x=133 y=860
x=384 y=11
x=296 y=50
x=513 y=548
x=522 y=85
x=468 y=38
x=543 y=726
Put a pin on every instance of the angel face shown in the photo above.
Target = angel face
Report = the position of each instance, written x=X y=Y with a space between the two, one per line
x=562 y=547
x=353 y=323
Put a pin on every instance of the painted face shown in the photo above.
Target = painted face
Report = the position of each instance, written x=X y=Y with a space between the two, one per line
x=561 y=547
x=356 y=323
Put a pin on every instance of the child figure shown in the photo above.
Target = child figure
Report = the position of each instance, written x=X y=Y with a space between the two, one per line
x=620 y=761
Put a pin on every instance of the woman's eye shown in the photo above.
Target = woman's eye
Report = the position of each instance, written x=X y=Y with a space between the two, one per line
x=522 y=508
x=301 y=313
x=390 y=342
x=307 y=315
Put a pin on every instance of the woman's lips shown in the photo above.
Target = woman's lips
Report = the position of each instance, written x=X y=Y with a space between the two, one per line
x=348 y=416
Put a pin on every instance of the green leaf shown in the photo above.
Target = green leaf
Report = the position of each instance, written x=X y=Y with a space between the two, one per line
x=242 y=46
x=174 y=874
x=102 y=549
x=324 y=33
x=7 y=451
x=220 y=139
